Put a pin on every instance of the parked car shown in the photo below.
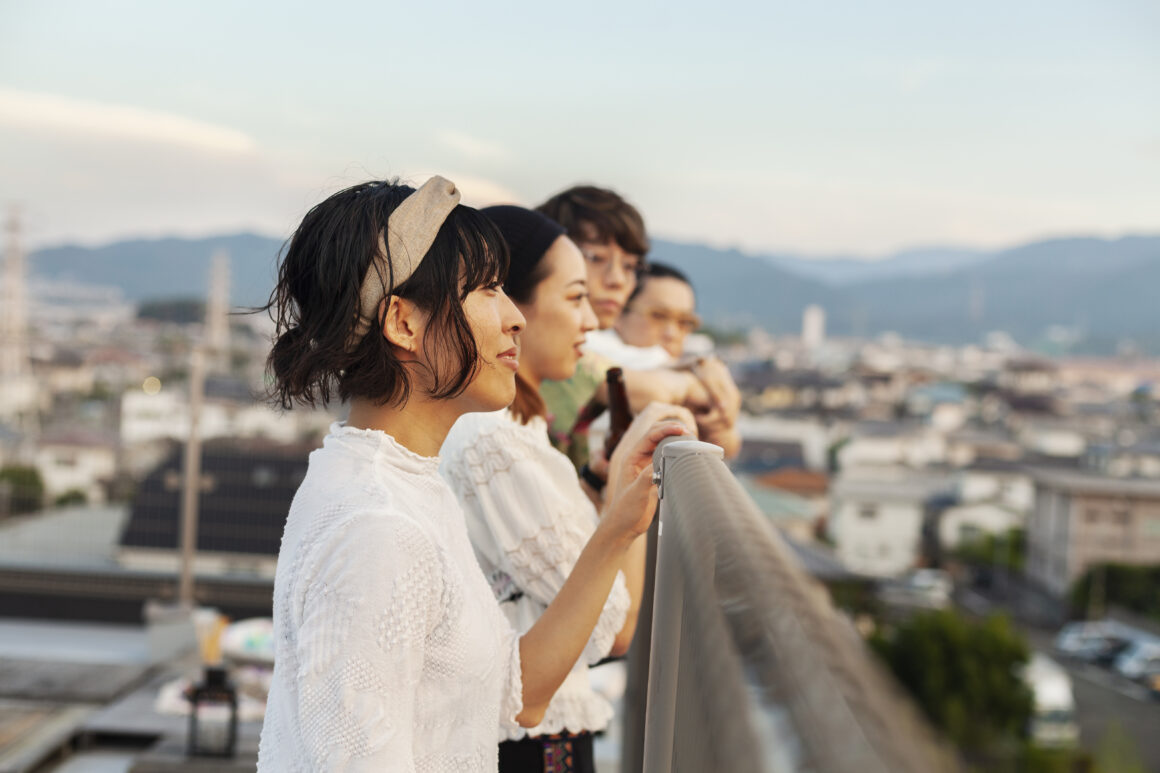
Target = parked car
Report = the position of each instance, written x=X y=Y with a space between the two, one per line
x=1140 y=658
x=1101 y=642
x=922 y=588
x=1052 y=720
x=1112 y=649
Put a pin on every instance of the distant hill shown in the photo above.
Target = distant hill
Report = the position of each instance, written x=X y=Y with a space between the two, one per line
x=1106 y=289
x=738 y=290
x=166 y=268
x=1101 y=287
x=925 y=261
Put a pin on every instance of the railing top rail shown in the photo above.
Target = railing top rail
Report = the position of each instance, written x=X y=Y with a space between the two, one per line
x=805 y=662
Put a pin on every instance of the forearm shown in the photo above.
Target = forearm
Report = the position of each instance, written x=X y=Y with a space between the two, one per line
x=634 y=569
x=550 y=649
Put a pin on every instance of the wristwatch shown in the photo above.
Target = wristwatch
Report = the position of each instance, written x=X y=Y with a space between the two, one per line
x=592 y=479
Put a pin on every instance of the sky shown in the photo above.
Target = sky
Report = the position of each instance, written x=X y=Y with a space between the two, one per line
x=816 y=129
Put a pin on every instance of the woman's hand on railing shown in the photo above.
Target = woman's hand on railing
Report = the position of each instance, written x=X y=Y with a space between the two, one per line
x=627 y=462
x=630 y=499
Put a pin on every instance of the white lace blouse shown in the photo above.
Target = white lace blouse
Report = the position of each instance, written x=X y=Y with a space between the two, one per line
x=529 y=520
x=391 y=653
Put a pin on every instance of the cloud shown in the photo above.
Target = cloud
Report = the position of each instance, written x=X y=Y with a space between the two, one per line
x=471 y=147
x=41 y=112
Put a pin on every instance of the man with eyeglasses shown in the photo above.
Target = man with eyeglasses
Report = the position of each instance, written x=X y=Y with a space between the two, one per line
x=612 y=238
x=652 y=332
x=660 y=312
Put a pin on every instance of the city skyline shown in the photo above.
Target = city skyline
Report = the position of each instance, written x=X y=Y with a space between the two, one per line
x=836 y=130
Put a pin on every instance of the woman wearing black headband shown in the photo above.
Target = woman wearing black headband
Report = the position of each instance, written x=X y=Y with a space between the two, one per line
x=528 y=517
x=391 y=653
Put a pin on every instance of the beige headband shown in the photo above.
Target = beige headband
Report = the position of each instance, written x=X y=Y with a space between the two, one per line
x=411 y=230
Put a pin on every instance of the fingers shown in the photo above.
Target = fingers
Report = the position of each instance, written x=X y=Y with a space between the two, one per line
x=655 y=412
x=639 y=502
x=717 y=381
x=635 y=453
x=643 y=451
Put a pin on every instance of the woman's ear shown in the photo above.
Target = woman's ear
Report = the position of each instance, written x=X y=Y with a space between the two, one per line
x=403 y=323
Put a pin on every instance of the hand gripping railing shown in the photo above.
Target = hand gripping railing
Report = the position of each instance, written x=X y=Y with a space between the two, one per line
x=748 y=667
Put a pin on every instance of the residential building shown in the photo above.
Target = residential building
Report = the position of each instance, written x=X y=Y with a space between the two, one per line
x=76 y=461
x=877 y=517
x=246 y=491
x=1083 y=518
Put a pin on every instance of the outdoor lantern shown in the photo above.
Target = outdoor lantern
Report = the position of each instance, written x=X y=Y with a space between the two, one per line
x=213 y=715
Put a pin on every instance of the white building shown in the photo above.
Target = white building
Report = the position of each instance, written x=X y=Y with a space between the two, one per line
x=993 y=498
x=76 y=461
x=874 y=444
x=813 y=327
x=876 y=519
x=146 y=418
x=965 y=523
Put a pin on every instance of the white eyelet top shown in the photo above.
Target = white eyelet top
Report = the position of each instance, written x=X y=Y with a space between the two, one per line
x=529 y=519
x=391 y=652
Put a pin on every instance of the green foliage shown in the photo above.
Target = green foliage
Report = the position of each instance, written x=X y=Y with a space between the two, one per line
x=25 y=489
x=1034 y=759
x=180 y=310
x=832 y=464
x=100 y=391
x=964 y=675
x=71 y=497
x=1136 y=588
x=1008 y=550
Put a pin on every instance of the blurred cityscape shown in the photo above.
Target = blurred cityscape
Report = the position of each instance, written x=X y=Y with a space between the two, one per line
x=948 y=491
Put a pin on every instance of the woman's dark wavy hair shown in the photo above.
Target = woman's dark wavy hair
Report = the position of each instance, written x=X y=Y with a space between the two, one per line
x=315 y=304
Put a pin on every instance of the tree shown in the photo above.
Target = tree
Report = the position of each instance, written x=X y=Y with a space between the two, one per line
x=1135 y=588
x=965 y=675
x=21 y=490
x=74 y=496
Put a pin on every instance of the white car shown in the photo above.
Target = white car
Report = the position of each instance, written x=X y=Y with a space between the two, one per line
x=1052 y=720
x=1140 y=658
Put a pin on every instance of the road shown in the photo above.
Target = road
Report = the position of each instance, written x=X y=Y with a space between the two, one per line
x=1102 y=697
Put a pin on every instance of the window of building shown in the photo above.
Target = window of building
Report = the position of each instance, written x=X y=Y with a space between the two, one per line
x=868 y=511
x=969 y=533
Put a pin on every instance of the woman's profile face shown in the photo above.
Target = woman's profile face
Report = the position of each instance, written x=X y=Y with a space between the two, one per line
x=496 y=324
x=558 y=316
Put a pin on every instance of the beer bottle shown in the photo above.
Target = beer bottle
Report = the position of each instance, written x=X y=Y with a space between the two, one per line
x=618 y=411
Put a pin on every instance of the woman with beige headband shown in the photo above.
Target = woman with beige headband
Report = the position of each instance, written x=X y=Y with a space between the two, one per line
x=391 y=652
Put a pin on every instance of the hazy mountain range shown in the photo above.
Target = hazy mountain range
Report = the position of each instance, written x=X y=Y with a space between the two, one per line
x=1105 y=290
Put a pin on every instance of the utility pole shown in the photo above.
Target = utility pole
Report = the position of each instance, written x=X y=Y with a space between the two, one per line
x=191 y=478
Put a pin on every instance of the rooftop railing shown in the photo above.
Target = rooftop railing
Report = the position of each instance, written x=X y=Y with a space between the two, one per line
x=741 y=663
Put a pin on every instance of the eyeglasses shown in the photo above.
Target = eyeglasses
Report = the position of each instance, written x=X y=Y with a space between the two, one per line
x=629 y=263
x=686 y=323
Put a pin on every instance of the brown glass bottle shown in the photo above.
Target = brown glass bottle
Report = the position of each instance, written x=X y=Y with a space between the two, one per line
x=618 y=411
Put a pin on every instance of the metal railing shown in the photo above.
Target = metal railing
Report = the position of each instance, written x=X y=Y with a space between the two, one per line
x=747 y=666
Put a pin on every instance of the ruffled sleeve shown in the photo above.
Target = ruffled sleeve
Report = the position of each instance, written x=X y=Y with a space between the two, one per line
x=528 y=516
x=367 y=609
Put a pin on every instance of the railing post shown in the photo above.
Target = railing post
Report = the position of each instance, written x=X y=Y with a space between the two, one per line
x=667 y=614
